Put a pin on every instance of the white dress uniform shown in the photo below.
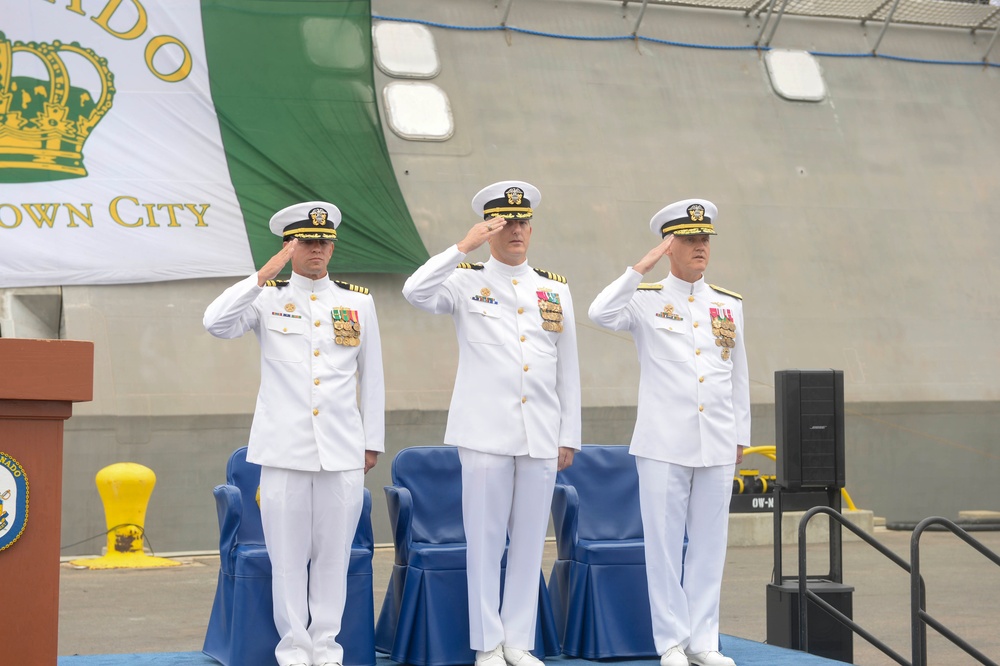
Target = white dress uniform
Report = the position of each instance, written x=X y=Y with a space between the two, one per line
x=693 y=412
x=310 y=435
x=517 y=391
x=307 y=415
x=516 y=401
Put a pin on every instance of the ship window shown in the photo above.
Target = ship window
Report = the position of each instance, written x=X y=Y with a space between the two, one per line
x=795 y=75
x=418 y=111
x=405 y=51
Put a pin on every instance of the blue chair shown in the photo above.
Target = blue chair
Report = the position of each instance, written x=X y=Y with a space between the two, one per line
x=598 y=583
x=425 y=616
x=241 y=627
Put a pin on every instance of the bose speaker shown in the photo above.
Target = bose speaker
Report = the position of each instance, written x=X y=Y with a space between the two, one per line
x=809 y=429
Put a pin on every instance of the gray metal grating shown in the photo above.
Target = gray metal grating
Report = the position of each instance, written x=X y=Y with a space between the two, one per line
x=940 y=13
x=846 y=9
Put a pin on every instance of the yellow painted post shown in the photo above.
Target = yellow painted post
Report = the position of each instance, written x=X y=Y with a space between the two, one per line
x=125 y=489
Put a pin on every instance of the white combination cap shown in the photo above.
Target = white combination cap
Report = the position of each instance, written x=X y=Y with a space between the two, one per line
x=685 y=218
x=312 y=220
x=509 y=199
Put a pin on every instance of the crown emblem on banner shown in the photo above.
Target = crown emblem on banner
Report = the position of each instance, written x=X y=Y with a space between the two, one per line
x=44 y=123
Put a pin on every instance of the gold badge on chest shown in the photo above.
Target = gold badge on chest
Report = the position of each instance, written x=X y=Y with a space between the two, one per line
x=551 y=310
x=485 y=296
x=346 y=327
x=668 y=313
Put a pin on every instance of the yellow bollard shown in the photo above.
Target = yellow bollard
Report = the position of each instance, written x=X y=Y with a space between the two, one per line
x=125 y=489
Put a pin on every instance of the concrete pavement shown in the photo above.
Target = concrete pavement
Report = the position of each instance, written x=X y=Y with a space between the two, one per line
x=167 y=610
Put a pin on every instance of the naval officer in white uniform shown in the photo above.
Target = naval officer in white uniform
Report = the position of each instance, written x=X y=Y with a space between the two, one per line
x=692 y=424
x=515 y=409
x=318 y=426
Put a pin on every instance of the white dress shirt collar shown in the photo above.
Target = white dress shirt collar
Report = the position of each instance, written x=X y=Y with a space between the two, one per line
x=678 y=285
x=507 y=270
x=302 y=282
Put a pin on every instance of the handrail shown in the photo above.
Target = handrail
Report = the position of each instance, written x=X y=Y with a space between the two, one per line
x=805 y=595
x=919 y=617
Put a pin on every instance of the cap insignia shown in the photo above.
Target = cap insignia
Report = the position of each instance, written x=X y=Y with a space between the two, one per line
x=696 y=212
x=318 y=217
x=514 y=195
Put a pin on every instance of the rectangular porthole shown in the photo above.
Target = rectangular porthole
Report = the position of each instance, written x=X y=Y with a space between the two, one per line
x=418 y=111
x=795 y=75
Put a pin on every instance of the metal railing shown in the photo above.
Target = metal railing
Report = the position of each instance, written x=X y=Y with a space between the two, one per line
x=964 y=14
x=972 y=16
x=938 y=13
x=805 y=595
x=919 y=617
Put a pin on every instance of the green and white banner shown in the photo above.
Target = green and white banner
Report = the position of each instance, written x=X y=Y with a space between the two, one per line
x=149 y=140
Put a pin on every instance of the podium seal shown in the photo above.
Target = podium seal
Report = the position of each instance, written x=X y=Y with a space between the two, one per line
x=13 y=501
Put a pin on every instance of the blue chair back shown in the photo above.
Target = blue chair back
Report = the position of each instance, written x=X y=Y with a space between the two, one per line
x=433 y=475
x=246 y=476
x=607 y=483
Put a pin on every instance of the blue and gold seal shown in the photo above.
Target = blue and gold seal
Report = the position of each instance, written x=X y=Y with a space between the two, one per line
x=13 y=500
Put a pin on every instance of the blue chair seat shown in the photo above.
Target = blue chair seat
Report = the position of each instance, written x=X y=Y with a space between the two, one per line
x=624 y=552
x=424 y=619
x=241 y=627
x=437 y=556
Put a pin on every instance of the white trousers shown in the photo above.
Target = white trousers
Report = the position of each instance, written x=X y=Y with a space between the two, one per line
x=504 y=495
x=672 y=497
x=309 y=518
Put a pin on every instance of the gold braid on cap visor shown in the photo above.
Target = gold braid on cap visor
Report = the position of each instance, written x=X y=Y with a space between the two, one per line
x=509 y=213
x=686 y=229
x=311 y=234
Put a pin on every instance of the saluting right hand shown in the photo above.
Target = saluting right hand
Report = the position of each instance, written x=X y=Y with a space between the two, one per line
x=273 y=267
x=480 y=233
x=647 y=263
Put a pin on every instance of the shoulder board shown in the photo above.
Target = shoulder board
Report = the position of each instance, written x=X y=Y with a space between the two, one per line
x=551 y=276
x=649 y=286
x=276 y=283
x=726 y=292
x=351 y=287
x=475 y=267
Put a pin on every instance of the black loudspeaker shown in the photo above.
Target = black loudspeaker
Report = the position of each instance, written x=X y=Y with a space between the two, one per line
x=809 y=428
x=825 y=635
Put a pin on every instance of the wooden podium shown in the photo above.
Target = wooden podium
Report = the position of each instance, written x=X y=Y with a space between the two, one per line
x=41 y=379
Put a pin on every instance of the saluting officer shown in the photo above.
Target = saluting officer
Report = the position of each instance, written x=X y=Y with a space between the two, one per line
x=515 y=410
x=320 y=356
x=692 y=424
